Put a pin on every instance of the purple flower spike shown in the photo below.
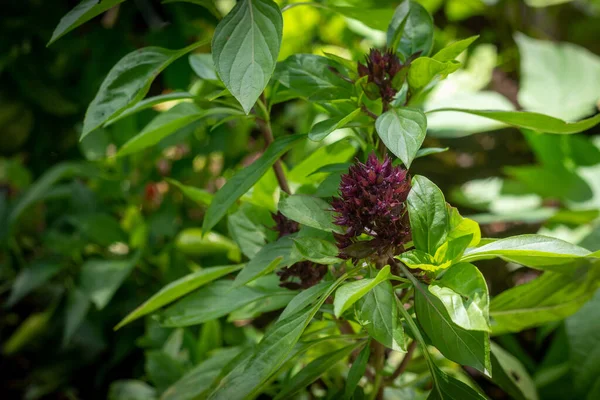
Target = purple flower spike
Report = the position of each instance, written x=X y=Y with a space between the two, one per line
x=373 y=202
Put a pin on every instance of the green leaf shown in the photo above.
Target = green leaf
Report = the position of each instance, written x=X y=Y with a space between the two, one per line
x=131 y=390
x=193 y=242
x=100 y=279
x=201 y=197
x=309 y=211
x=213 y=301
x=281 y=253
x=402 y=130
x=169 y=122
x=310 y=76
x=357 y=371
x=322 y=129
x=428 y=215
x=530 y=120
x=128 y=82
x=452 y=250
x=424 y=69
x=248 y=227
x=77 y=307
x=79 y=15
x=453 y=50
x=247 y=376
x=203 y=66
x=460 y=226
x=304 y=299
x=198 y=380
x=377 y=312
x=30 y=278
x=314 y=370
x=308 y=169
x=584 y=345
x=464 y=293
x=245 y=47
x=208 y=4
x=449 y=388
x=411 y=30
x=39 y=189
x=177 y=289
x=244 y=179
x=558 y=79
x=418 y=259
x=551 y=297
x=33 y=327
x=150 y=102
x=350 y=293
x=535 y=251
x=464 y=347
x=511 y=375
x=317 y=250
x=423 y=152
x=162 y=369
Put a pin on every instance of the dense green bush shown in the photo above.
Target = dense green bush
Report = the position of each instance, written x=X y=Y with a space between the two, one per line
x=235 y=200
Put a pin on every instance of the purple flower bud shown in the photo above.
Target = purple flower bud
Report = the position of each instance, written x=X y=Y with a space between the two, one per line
x=381 y=70
x=373 y=202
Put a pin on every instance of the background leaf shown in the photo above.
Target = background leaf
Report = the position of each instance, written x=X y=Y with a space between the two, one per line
x=128 y=82
x=411 y=30
x=245 y=47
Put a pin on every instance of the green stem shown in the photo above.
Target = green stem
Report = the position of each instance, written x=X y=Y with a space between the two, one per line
x=378 y=365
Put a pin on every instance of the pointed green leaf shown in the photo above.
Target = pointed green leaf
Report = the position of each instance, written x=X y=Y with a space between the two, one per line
x=411 y=30
x=213 y=301
x=350 y=293
x=535 y=251
x=424 y=69
x=200 y=196
x=511 y=375
x=446 y=387
x=150 y=102
x=30 y=278
x=402 y=130
x=322 y=129
x=244 y=179
x=377 y=312
x=100 y=279
x=77 y=307
x=464 y=293
x=317 y=250
x=281 y=253
x=245 y=48
x=357 y=371
x=465 y=347
x=310 y=211
x=177 y=289
x=428 y=215
x=128 y=82
x=530 y=120
x=551 y=297
x=79 y=15
x=453 y=50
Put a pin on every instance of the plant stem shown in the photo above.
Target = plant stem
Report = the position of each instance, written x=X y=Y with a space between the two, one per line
x=378 y=365
x=267 y=131
x=404 y=363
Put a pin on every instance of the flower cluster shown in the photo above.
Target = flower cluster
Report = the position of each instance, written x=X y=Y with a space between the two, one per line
x=372 y=202
x=307 y=272
x=381 y=69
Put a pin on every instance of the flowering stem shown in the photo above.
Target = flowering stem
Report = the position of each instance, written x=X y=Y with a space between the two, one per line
x=378 y=365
